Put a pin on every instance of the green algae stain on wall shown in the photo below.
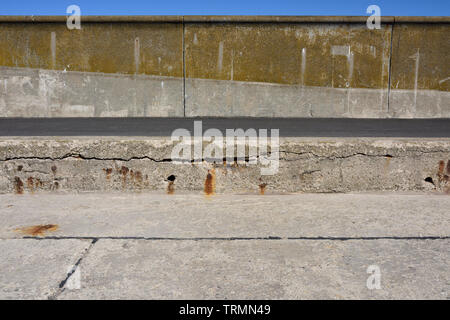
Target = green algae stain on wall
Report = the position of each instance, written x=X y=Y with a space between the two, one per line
x=124 y=48
x=326 y=55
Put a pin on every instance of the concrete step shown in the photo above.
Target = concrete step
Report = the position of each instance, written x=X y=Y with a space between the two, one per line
x=142 y=164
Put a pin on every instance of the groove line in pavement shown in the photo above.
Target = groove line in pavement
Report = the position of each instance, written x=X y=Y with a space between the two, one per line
x=237 y=238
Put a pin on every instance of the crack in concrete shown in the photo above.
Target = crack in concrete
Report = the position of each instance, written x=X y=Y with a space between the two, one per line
x=243 y=159
x=381 y=155
x=61 y=286
x=80 y=156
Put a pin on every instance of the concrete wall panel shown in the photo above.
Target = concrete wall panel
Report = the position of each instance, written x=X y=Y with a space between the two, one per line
x=104 y=69
x=318 y=66
x=420 y=75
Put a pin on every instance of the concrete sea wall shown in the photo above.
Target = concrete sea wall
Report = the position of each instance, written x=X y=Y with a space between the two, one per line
x=225 y=67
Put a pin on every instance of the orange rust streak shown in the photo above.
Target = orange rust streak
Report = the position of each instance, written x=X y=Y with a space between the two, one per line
x=30 y=184
x=210 y=182
x=441 y=167
x=108 y=172
x=262 y=188
x=170 y=188
x=39 y=230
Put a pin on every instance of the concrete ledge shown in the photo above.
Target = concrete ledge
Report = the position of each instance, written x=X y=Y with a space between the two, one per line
x=141 y=165
x=257 y=19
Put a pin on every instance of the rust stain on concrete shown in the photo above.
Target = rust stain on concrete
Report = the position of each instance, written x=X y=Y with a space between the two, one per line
x=30 y=184
x=38 y=230
x=108 y=172
x=210 y=182
x=18 y=184
x=262 y=188
x=171 y=184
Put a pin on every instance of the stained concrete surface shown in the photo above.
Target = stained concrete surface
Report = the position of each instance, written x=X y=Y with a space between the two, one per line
x=156 y=215
x=64 y=164
x=225 y=66
x=225 y=247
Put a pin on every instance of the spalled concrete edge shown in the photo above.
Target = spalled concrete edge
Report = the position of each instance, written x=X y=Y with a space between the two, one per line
x=304 y=165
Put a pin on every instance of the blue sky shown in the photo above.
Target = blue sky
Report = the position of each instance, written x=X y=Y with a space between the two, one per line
x=226 y=7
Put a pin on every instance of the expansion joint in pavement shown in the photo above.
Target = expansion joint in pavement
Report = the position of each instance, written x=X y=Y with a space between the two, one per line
x=95 y=239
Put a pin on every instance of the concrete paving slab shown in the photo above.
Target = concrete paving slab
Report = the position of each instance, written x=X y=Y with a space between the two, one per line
x=33 y=269
x=263 y=269
x=149 y=215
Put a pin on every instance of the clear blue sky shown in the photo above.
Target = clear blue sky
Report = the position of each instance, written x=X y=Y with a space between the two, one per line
x=226 y=7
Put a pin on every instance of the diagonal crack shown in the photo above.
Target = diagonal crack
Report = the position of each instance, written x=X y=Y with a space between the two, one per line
x=61 y=287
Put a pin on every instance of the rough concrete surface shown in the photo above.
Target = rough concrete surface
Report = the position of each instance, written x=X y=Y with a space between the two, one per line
x=305 y=165
x=152 y=215
x=32 y=269
x=266 y=269
x=38 y=93
x=309 y=246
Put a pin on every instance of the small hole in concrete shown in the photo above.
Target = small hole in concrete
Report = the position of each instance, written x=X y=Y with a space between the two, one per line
x=429 y=179
x=171 y=178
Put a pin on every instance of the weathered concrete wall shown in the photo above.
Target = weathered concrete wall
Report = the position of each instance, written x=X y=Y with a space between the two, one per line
x=30 y=165
x=103 y=70
x=225 y=66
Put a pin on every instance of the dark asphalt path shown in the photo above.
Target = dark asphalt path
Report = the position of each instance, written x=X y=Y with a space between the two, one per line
x=289 y=127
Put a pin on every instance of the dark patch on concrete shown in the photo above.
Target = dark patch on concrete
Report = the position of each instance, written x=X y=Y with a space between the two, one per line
x=18 y=184
x=54 y=169
x=38 y=230
x=19 y=168
x=430 y=180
